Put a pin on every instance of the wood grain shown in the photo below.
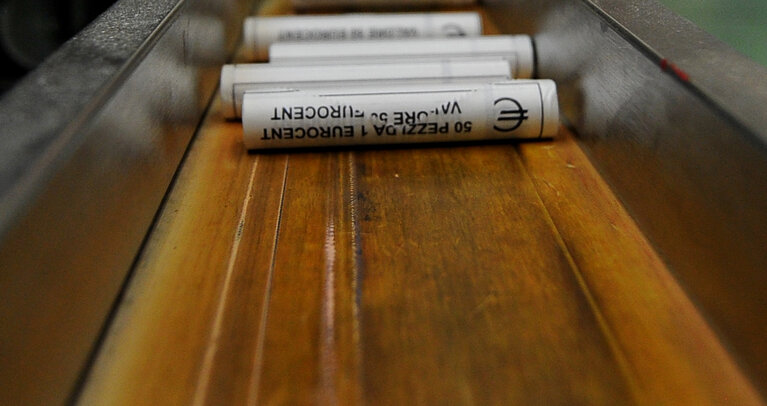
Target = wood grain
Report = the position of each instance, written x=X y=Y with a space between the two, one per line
x=468 y=296
x=308 y=352
x=174 y=311
x=673 y=355
x=490 y=274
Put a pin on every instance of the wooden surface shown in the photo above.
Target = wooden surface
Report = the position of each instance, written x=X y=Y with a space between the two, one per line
x=498 y=274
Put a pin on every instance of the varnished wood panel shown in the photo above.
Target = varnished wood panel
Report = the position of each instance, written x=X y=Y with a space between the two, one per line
x=173 y=323
x=672 y=354
x=468 y=296
x=308 y=349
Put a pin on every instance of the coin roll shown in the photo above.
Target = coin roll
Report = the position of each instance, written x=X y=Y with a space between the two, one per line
x=517 y=109
x=517 y=49
x=260 y=32
x=376 y=4
x=238 y=79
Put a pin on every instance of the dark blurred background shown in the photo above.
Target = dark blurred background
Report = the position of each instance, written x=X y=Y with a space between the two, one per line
x=30 y=30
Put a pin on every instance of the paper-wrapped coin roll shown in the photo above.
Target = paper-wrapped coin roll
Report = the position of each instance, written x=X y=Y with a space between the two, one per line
x=377 y=4
x=238 y=79
x=519 y=109
x=260 y=32
x=517 y=49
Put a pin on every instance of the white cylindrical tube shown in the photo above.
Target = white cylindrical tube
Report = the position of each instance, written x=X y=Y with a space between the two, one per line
x=517 y=49
x=520 y=109
x=260 y=32
x=238 y=79
x=376 y=4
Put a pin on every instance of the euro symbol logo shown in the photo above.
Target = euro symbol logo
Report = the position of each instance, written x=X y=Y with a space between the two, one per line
x=512 y=112
x=453 y=30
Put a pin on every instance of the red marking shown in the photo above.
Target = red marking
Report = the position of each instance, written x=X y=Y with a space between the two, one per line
x=680 y=74
x=665 y=65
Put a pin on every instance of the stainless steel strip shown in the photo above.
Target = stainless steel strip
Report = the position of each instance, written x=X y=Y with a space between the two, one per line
x=90 y=142
x=675 y=121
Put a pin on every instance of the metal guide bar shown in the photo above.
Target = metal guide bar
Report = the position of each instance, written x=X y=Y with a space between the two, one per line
x=90 y=142
x=673 y=118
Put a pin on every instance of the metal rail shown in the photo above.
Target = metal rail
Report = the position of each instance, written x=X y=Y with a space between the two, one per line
x=675 y=121
x=89 y=143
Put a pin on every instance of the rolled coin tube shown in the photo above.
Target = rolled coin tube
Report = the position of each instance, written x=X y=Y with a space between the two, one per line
x=517 y=49
x=238 y=79
x=260 y=32
x=518 y=109
x=376 y=4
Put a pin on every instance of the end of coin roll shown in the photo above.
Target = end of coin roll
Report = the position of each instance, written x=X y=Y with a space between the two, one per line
x=225 y=91
x=550 y=103
x=525 y=55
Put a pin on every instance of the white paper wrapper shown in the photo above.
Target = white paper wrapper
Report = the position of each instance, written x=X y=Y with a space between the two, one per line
x=518 y=109
x=238 y=79
x=517 y=49
x=261 y=32
x=376 y=4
